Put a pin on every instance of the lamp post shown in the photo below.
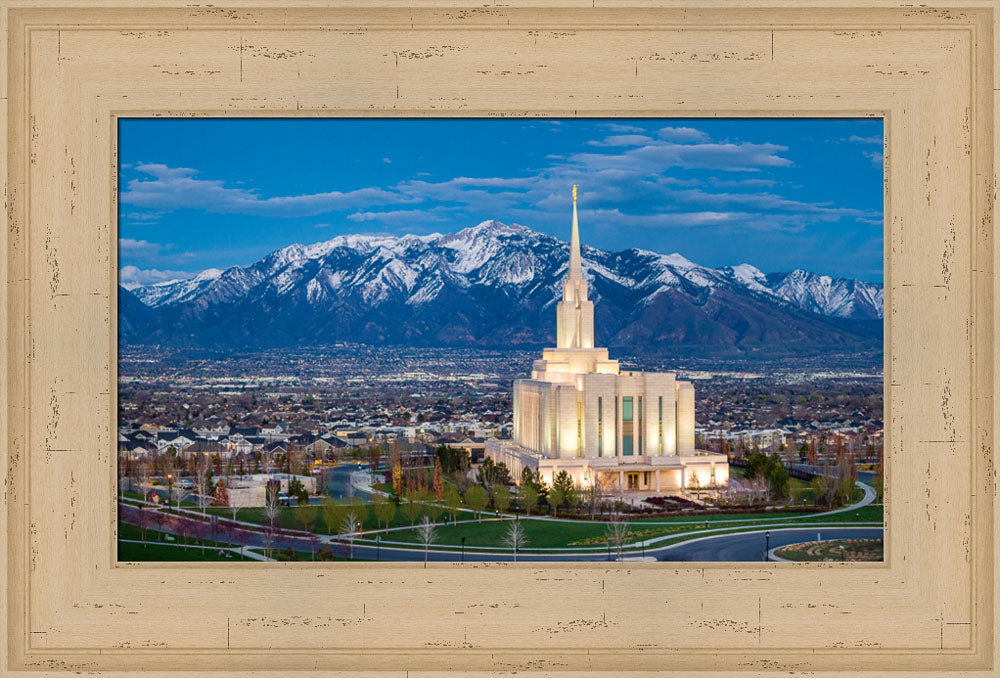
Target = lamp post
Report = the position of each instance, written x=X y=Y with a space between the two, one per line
x=378 y=547
x=841 y=553
x=767 y=543
x=463 y=549
x=170 y=490
x=608 y=542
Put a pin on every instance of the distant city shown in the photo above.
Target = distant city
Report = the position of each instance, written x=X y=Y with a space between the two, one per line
x=431 y=396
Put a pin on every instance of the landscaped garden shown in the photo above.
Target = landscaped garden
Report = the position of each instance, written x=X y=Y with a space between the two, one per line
x=856 y=550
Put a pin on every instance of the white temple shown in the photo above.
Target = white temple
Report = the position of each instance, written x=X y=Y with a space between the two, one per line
x=580 y=413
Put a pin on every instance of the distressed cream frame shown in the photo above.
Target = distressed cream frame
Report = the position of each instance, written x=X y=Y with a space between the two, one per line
x=71 y=68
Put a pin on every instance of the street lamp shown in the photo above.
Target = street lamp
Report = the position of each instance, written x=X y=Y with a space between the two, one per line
x=170 y=490
x=378 y=547
x=463 y=549
x=608 y=542
x=841 y=553
x=767 y=543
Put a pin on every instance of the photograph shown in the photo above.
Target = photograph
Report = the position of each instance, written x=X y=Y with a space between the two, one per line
x=518 y=339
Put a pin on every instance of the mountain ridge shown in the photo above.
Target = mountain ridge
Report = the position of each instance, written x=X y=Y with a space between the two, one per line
x=495 y=284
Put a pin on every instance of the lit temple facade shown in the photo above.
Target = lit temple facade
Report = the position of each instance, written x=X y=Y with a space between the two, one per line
x=580 y=413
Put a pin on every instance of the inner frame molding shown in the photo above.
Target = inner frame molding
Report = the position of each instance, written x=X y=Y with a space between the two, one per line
x=930 y=71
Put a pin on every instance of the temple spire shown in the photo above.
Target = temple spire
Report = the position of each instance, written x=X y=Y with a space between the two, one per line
x=575 y=264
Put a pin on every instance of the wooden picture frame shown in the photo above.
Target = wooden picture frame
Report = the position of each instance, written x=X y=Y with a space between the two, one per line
x=70 y=70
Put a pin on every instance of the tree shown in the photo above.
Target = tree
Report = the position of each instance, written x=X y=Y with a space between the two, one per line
x=397 y=479
x=203 y=482
x=180 y=494
x=306 y=515
x=298 y=490
x=555 y=498
x=412 y=508
x=453 y=500
x=534 y=479
x=477 y=499
x=618 y=534
x=515 y=538
x=438 y=480
x=221 y=494
x=433 y=510
x=349 y=528
x=527 y=498
x=427 y=534
x=778 y=481
x=492 y=475
x=272 y=510
x=594 y=491
x=374 y=456
x=501 y=498
x=333 y=513
x=359 y=508
x=755 y=464
x=821 y=488
x=563 y=481
x=452 y=459
x=385 y=509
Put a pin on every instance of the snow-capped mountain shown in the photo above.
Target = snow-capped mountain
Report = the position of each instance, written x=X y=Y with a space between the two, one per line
x=840 y=297
x=493 y=285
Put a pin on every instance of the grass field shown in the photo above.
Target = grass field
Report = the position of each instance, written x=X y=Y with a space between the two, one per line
x=131 y=552
x=542 y=533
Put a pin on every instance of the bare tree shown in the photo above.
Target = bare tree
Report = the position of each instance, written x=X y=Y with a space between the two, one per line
x=144 y=474
x=427 y=534
x=618 y=533
x=593 y=492
x=272 y=509
x=349 y=529
x=515 y=538
x=202 y=477
x=306 y=515
x=181 y=493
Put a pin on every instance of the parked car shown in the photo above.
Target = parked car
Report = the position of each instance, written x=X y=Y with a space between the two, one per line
x=283 y=499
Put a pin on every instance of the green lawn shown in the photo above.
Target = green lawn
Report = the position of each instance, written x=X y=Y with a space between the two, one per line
x=555 y=534
x=129 y=531
x=131 y=552
x=287 y=518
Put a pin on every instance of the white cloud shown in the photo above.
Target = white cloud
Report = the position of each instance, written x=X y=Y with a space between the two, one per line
x=622 y=140
x=682 y=134
x=876 y=157
x=412 y=219
x=865 y=140
x=742 y=183
x=177 y=187
x=771 y=202
x=131 y=277
x=137 y=248
x=618 y=127
x=616 y=217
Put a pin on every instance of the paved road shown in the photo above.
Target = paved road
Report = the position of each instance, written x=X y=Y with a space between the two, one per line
x=338 y=481
x=750 y=546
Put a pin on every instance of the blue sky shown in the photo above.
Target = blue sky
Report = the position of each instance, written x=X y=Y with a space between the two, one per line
x=777 y=193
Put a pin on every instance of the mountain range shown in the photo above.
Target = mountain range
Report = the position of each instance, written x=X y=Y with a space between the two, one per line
x=496 y=285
